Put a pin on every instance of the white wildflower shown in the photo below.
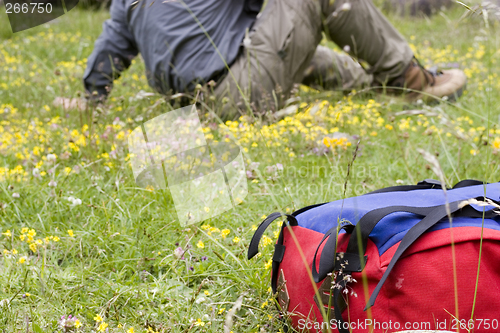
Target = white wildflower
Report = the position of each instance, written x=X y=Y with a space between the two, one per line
x=200 y=300
x=346 y=7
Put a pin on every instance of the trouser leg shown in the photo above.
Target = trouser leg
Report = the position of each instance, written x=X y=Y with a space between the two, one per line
x=283 y=41
x=359 y=25
x=332 y=70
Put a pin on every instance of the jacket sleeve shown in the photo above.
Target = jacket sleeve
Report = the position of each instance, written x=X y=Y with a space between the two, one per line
x=113 y=52
x=253 y=6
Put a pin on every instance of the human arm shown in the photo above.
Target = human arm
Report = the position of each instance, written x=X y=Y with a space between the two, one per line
x=113 y=52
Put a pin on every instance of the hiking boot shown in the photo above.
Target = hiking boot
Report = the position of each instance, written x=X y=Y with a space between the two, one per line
x=428 y=85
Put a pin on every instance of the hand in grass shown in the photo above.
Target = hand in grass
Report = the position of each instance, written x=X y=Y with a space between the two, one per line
x=70 y=103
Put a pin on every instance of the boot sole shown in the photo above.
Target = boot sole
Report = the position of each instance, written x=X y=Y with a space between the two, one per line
x=431 y=100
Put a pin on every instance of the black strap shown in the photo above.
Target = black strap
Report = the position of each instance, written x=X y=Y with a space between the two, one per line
x=423 y=185
x=427 y=184
x=279 y=252
x=468 y=182
x=327 y=260
x=253 y=248
x=279 y=248
x=340 y=284
x=417 y=230
x=364 y=226
x=307 y=208
x=368 y=222
x=331 y=258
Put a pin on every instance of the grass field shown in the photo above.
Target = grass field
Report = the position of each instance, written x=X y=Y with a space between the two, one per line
x=80 y=238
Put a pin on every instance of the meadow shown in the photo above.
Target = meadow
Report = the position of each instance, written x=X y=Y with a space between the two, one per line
x=80 y=238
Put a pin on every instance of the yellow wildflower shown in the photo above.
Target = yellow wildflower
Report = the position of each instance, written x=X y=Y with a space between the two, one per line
x=199 y=322
x=268 y=264
x=33 y=247
x=266 y=240
x=102 y=327
x=326 y=141
x=496 y=143
x=225 y=232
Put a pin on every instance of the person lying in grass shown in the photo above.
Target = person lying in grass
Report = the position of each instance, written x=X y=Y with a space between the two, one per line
x=255 y=55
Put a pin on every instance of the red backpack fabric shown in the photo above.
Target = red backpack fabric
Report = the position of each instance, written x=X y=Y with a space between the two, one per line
x=418 y=269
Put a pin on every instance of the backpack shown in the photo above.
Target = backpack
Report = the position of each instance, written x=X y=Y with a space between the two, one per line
x=399 y=258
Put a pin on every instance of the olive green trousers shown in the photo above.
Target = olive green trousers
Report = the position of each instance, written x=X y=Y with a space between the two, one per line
x=282 y=49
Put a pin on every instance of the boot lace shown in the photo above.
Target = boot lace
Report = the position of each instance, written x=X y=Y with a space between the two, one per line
x=430 y=73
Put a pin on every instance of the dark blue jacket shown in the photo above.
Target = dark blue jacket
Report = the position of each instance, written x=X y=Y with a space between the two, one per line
x=182 y=42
